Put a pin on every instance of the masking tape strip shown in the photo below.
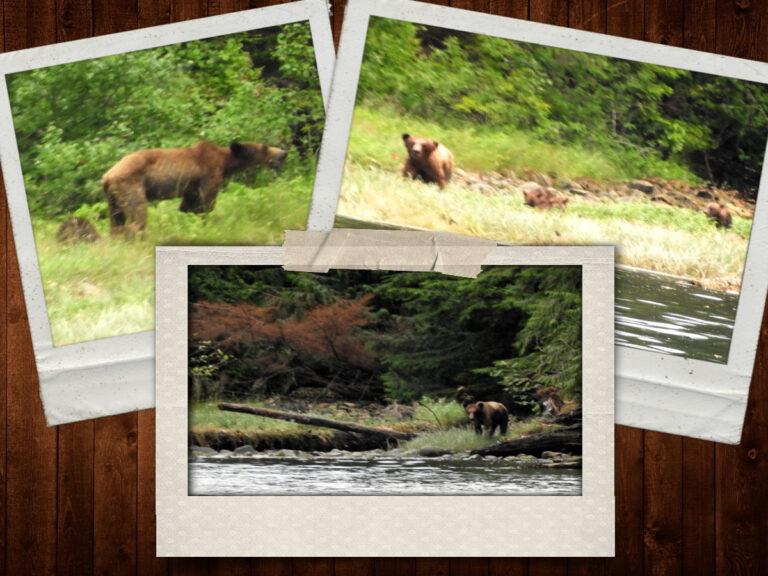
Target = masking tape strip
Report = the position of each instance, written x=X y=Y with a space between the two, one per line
x=410 y=251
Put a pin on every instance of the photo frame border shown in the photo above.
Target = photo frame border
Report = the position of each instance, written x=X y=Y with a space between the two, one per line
x=114 y=375
x=335 y=526
x=656 y=391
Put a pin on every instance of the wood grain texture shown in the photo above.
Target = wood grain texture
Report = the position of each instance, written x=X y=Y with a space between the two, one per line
x=79 y=499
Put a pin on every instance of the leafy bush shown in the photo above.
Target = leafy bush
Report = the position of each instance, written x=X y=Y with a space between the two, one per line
x=74 y=121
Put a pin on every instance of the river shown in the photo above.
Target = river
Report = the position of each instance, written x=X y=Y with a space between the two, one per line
x=362 y=474
x=664 y=314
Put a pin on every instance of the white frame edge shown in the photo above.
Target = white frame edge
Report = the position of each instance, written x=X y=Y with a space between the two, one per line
x=385 y=525
x=115 y=375
x=655 y=391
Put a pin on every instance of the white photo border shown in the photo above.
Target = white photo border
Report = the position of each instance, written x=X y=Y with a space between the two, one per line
x=385 y=525
x=654 y=390
x=114 y=375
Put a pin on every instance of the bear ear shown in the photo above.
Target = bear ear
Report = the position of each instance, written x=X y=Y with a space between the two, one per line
x=435 y=143
x=236 y=147
x=406 y=136
x=479 y=405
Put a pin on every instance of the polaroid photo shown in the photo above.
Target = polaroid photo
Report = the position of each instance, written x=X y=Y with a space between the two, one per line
x=202 y=132
x=449 y=120
x=359 y=412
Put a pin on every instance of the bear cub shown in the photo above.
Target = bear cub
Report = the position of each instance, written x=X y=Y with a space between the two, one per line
x=488 y=415
x=427 y=160
x=719 y=213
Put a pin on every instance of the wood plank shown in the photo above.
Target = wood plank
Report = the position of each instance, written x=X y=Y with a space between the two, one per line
x=75 y=499
x=229 y=567
x=30 y=478
x=511 y=8
x=353 y=567
x=312 y=567
x=188 y=566
x=700 y=25
x=188 y=9
x=626 y=18
x=698 y=507
x=111 y=16
x=337 y=18
x=115 y=494
x=508 y=567
x=271 y=567
x=629 y=504
x=547 y=567
x=153 y=12
x=433 y=567
x=146 y=560
x=469 y=567
x=742 y=471
x=476 y=5
x=395 y=567
x=588 y=15
x=549 y=11
x=586 y=566
x=663 y=468
x=664 y=21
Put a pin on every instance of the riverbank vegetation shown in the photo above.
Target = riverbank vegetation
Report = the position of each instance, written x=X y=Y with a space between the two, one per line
x=583 y=124
x=382 y=349
x=75 y=121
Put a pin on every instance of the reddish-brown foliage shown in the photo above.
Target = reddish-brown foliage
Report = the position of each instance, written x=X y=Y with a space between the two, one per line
x=327 y=333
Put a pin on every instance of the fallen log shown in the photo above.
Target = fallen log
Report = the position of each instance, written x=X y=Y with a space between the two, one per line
x=566 y=440
x=316 y=421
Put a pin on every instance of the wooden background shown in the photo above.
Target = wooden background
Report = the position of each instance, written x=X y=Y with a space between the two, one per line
x=79 y=499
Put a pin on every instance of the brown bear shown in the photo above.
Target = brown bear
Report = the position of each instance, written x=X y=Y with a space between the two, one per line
x=536 y=196
x=490 y=415
x=719 y=213
x=76 y=229
x=427 y=160
x=194 y=173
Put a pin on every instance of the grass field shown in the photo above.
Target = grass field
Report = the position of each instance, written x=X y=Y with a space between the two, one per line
x=648 y=235
x=107 y=288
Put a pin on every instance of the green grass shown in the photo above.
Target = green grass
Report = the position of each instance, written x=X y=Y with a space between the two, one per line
x=375 y=139
x=464 y=439
x=106 y=288
x=651 y=236
x=205 y=416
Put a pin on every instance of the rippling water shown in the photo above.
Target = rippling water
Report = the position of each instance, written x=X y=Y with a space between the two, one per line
x=661 y=314
x=371 y=476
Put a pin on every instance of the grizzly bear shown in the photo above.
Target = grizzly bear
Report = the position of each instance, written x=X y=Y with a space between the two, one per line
x=427 y=160
x=76 y=229
x=719 y=213
x=490 y=415
x=536 y=196
x=194 y=173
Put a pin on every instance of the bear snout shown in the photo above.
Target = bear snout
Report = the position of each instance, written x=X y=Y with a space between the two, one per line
x=277 y=157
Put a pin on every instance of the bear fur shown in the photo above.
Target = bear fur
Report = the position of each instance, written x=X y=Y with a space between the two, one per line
x=536 y=196
x=719 y=213
x=194 y=173
x=427 y=160
x=488 y=415
x=76 y=229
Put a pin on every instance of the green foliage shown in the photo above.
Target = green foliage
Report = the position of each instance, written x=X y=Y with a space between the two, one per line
x=74 y=121
x=403 y=336
x=714 y=127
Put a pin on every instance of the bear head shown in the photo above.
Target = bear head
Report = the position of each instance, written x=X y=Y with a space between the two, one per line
x=249 y=154
x=475 y=411
x=419 y=148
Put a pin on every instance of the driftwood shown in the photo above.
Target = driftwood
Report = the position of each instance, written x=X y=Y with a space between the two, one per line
x=567 y=418
x=565 y=440
x=317 y=421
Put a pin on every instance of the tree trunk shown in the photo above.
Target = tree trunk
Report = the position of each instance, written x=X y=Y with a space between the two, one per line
x=316 y=421
x=566 y=440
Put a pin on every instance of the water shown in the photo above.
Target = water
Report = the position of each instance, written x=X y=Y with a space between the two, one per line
x=380 y=475
x=662 y=314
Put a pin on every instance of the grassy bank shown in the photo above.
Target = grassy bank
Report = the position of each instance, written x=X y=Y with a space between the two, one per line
x=652 y=236
x=375 y=139
x=441 y=425
x=106 y=288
